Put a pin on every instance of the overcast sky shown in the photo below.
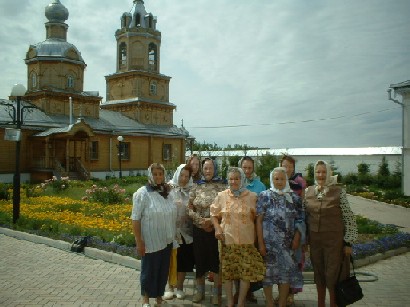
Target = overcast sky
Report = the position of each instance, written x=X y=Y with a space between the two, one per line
x=278 y=74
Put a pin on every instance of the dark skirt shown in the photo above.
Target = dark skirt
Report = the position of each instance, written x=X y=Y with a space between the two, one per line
x=205 y=252
x=185 y=258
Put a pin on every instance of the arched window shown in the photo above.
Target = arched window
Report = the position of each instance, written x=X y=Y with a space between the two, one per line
x=138 y=20
x=122 y=54
x=33 y=80
x=152 y=57
x=70 y=81
x=153 y=87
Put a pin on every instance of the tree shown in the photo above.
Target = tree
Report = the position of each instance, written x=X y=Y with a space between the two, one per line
x=233 y=160
x=267 y=162
x=205 y=146
x=363 y=169
x=364 y=176
x=383 y=168
x=310 y=171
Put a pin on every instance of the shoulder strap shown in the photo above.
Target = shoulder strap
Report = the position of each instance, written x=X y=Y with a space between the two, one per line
x=341 y=266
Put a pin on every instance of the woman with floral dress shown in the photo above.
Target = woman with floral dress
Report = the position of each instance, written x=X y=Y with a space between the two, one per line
x=233 y=214
x=279 y=223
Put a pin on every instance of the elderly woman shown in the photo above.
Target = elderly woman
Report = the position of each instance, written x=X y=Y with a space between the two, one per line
x=153 y=223
x=233 y=214
x=332 y=230
x=181 y=184
x=279 y=226
x=205 y=245
x=253 y=184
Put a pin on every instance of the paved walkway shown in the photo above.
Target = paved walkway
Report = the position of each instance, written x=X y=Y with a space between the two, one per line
x=382 y=212
x=39 y=275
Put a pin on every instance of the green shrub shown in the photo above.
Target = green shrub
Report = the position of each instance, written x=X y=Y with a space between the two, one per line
x=106 y=195
x=56 y=184
x=310 y=171
x=350 y=178
x=363 y=169
x=364 y=225
x=4 y=191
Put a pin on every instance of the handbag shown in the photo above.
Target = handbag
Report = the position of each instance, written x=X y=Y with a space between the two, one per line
x=348 y=291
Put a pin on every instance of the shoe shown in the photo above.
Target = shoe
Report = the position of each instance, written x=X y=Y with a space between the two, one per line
x=290 y=301
x=215 y=300
x=146 y=305
x=235 y=298
x=250 y=298
x=168 y=295
x=198 y=297
x=180 y=294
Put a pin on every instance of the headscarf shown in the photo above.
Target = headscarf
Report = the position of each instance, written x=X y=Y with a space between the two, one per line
x=330 y=180
x=253 y=176
x=162 y=188
x=286 y=190
x=242 y=186
x=215 y=177
x=175 y=181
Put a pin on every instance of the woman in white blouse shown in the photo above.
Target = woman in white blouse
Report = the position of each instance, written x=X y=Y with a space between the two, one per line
x=153 y=222
x=181 y=184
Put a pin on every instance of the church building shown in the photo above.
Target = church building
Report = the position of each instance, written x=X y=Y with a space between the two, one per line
x=68 y=131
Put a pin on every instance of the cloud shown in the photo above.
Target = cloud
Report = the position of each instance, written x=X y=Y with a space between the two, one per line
x=278 y=66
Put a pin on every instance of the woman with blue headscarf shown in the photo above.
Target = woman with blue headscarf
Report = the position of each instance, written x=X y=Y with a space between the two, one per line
x=279 y=228
x=233 y=214
x=205 y=244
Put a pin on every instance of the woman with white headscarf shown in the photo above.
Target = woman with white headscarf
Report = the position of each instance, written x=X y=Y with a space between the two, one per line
x=233 y=214
x=332 y=230
x=153 y=223
x=181 y=184
x=279 y=226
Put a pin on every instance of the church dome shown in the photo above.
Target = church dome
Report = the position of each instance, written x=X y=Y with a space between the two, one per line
x=56 y=12
x=55 y=49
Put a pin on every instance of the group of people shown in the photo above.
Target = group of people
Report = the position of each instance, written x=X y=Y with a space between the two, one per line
x=246 y=235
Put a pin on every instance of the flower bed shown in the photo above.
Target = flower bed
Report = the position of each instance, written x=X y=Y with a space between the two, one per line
x=66 y=218
x=108 y=226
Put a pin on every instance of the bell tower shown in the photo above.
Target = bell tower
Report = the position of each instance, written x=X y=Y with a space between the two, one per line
x=137 y=89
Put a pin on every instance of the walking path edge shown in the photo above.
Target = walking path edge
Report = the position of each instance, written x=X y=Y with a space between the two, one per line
x=134 y=263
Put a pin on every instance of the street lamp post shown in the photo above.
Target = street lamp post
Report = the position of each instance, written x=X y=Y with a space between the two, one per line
x=120 y=147
x=18 y=91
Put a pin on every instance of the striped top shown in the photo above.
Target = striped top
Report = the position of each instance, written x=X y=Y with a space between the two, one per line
x=158 y=218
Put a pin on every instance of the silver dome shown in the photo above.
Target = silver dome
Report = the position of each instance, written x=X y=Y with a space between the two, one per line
x=56 y=12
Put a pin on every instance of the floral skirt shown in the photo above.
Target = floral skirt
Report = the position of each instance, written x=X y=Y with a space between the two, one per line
x=241 y=262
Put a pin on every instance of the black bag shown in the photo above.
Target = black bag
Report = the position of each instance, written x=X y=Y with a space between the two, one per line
x=348 y=291
x=79 y=244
